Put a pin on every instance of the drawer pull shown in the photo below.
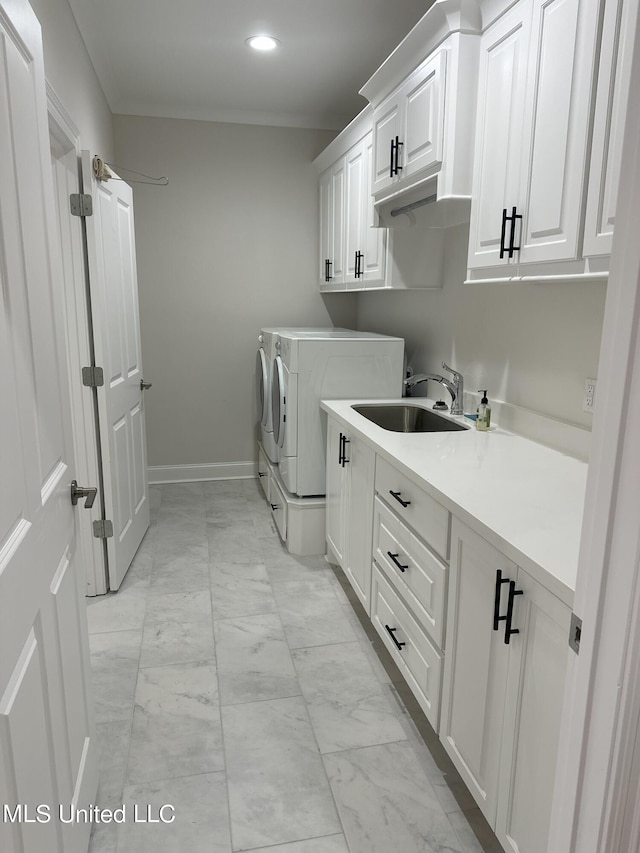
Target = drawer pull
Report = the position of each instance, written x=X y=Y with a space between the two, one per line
x=274 y=507
x=261 y=474
x=396 y=495
x=394 y=560
x=390 y=631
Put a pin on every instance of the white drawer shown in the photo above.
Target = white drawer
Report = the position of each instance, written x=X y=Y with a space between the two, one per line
x=278 y=508
x=417 y=574
x=427 y=517
x=264 y=471
x=418 y=660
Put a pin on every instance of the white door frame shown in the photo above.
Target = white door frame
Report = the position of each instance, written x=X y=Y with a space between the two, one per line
x=597 y=801
x=65 y=141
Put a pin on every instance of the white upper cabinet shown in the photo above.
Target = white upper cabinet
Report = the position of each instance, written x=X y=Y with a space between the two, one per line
x=409 y=126
x=532 y=139
x=423 y=99
x=353 y=251
x=614 y=74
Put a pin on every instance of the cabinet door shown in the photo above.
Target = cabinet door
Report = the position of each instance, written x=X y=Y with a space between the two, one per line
x=386 y=126
x=374 y=239
x=498 y=146
x=337 y=221
x=325 y=269
x=537 y=669
x=475 y=675
x=335 y=519
x=358 y=492
x=563 y=36
x=614 y=76
x=423 y=105
x=356 y=183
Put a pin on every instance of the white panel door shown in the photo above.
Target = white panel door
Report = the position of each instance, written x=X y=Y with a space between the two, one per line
x=563 y=38
x=326 y=230
x=48 y=752
x=116 y=330
x=612 y=96
x=386 y=127
x=538 y=658
x=424 y=117
x=499 y=140
x=360 y=460
x=375 y=239
x=335 y=522
x=337 y=254
x=476 y=664
x=354 y=214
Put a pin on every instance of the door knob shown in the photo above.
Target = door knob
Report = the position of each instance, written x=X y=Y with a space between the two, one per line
x=144 y=386
x=78 y=492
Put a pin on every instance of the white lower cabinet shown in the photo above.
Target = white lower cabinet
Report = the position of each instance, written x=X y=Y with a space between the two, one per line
x=350 y=484
x=502 y=701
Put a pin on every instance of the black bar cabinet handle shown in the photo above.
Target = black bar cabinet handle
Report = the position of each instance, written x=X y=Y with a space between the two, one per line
x=341 y=449
x=508 y=630
x=497 y=619
x=391 y=172
x=274 y=507
x=396 y=495
x=345 y=441
x=395 y=561
x=397 y=167
x=512 y=236
x=261 y=474
x=503 y=233
x=327 y=270
x=390 y=631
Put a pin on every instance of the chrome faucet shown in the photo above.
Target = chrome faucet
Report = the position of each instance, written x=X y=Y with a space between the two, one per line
x=457 y=407
x=455 y=388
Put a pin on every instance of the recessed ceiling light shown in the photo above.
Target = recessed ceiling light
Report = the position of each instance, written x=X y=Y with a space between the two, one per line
x=262 y=42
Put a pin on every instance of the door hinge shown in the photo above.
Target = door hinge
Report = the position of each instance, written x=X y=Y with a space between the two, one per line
x=102 y=529
x=81 y=204
x=575 y=633
x=92 y=377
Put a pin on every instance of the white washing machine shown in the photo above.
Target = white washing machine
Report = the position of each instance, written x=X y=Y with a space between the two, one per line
x=269 y=345
x=324 y=364
x=264 y=370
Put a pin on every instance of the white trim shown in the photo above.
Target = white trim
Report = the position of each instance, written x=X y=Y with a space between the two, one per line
x=595 y=804
x=210 y=471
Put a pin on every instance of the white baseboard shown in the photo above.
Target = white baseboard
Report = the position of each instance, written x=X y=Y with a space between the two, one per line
x=193 y=473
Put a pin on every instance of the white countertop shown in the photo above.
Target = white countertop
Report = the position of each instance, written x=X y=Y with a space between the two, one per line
x=522 y=497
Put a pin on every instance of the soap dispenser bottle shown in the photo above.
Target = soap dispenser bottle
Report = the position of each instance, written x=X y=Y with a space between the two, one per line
x=483 y=413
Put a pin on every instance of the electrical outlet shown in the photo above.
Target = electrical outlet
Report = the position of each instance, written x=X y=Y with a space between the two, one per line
x=589 y=395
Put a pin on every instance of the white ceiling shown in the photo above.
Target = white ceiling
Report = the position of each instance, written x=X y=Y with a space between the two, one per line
x=188 y=59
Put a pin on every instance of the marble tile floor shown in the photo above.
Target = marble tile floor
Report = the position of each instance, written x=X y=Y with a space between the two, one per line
x=247 y=688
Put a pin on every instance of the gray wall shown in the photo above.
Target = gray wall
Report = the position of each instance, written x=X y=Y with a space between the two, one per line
x=229 y=246
x=531 y=345
x=69 y=71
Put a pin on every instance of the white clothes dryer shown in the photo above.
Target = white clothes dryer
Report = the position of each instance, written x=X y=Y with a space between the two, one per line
x=324 y=364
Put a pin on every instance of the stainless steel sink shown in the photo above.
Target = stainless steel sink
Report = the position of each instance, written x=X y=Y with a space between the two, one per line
x=401 y=418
